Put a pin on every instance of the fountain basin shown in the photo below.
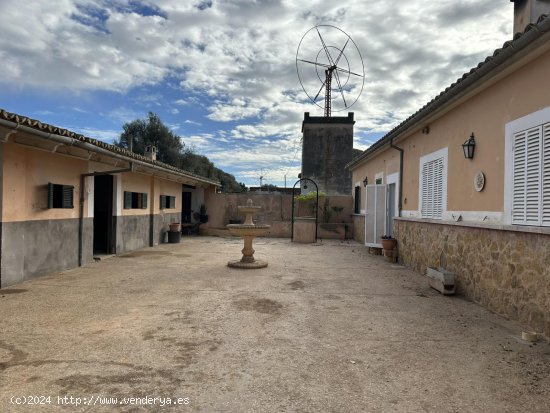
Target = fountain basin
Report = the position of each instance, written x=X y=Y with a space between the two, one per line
x=248 y=210
x=241 y=230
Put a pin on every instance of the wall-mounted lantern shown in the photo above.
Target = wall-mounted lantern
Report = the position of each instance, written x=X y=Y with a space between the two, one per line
x=366 y=181
x=469 y=146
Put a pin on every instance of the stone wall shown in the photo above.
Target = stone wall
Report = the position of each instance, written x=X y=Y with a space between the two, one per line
x=276 y=211
x=506 y=271
x=359 y=228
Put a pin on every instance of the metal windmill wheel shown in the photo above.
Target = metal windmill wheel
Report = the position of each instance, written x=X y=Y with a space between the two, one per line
x=330 y=68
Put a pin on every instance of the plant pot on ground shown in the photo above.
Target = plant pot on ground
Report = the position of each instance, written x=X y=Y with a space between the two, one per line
x=174 y=226
x=203 y=214
x=388 y=242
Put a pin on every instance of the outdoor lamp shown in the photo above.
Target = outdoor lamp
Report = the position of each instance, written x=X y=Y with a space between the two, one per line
x=366 y=181
x=469 y=147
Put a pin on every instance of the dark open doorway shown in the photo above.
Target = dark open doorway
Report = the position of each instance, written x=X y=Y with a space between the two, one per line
x=186 y=208
x=103 y=214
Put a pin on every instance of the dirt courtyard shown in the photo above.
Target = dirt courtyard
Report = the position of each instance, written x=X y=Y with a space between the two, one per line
x=324 y=328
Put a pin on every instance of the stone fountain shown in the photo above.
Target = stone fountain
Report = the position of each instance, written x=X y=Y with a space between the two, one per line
x=248 y=231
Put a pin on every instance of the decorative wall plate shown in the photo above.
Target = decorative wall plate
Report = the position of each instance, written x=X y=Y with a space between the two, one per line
x=479 y=181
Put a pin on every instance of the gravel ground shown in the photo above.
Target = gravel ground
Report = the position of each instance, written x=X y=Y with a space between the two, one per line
x=324 y=328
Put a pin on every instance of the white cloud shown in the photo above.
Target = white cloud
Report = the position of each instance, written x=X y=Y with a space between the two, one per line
x=236 y=58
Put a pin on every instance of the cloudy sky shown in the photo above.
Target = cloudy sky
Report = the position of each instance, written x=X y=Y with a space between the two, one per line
x=222 y=73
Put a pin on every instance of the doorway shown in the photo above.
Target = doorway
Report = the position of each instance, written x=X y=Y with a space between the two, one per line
x=186 y=208
x=103 y=214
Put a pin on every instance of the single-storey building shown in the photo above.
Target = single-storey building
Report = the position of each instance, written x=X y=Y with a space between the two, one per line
x=464 y=183
x=65 y=198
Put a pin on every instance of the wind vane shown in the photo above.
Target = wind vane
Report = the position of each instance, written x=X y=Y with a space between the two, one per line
x=320 y=61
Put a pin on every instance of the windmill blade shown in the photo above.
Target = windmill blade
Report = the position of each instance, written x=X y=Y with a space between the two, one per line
x=313 y=63
x=341 y=52
x=318 y=93
x=348 y=72
x=340 y=88
x=326 y=48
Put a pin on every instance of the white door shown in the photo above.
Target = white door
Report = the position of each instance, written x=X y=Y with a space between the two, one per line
x=375 y=214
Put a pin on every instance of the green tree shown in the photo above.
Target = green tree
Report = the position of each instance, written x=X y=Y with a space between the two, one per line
x=151 y=131
x=172 y=150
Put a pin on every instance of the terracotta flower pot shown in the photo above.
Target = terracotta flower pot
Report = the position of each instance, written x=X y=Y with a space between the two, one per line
x=174 y=227
x=389 y=244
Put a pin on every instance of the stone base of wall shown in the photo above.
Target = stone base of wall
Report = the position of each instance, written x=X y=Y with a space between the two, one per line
x=359 y=228
x=33 y=248
x=507 y=272
x=161 y=224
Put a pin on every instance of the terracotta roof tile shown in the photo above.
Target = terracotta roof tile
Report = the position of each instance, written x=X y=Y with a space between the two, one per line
x=45 y=127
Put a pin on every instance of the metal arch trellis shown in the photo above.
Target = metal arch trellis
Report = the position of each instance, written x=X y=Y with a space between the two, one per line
x=316 y=206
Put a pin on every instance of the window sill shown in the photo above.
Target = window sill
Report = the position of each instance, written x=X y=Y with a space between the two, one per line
x=483 y=225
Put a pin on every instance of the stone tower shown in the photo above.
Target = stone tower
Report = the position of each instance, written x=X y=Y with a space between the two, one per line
x=327 y=146
x=528 y=11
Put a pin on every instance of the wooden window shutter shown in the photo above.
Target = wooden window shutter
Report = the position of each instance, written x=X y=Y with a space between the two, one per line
x=172 y=202
x=143 y=201
x=162 y=201
x=50 y=195
x=127 y=200
x=67 y=196
x=545 y=213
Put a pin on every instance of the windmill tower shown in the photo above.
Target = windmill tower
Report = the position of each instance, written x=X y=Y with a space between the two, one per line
x=331 y=72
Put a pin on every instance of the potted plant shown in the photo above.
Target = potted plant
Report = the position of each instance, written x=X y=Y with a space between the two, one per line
x=203 y=214
x=174 y=226
x=308 y=202
x=388 y=242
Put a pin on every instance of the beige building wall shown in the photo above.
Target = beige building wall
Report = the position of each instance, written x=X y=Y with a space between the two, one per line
x=134 y=182
x=26 y=174
x=484 y=114
x=167 y=188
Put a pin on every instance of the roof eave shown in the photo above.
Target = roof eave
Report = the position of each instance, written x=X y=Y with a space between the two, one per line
x=468 y=82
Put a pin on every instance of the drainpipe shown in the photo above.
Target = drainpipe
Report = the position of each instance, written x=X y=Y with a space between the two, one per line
x=81 y=206
x=400 y=196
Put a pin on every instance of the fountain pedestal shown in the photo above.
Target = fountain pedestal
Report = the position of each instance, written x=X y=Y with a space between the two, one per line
x=248 y=231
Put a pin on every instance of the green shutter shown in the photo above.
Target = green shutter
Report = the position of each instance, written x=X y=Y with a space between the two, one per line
x=127 y=200
x=144 y=201
x=172 y=202
x=67 y=196
x=162 y=201
x=50 y=195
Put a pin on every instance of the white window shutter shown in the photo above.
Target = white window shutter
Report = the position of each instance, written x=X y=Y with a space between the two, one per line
x=432 y=189
x=533 y=176
x=545 y=180
x=518 y=202
x=424 y=183
x=438 y=188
